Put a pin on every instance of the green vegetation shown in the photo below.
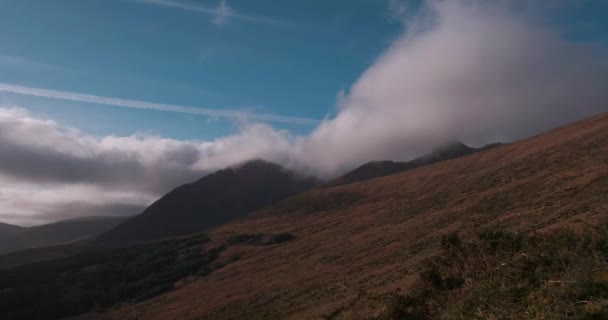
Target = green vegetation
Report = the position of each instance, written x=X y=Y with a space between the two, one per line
x=100 y=279
x=503 y=275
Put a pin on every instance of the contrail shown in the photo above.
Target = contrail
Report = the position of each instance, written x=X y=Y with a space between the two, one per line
x=211 y=11
x=126 y=103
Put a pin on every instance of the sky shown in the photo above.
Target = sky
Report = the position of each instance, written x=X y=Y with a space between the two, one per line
x=105 y=105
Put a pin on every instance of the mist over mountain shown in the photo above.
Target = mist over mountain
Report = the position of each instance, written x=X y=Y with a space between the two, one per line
x=376 y=169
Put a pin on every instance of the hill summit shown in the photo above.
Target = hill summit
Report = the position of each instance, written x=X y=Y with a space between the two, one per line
x=225 y=195
x=377 y=169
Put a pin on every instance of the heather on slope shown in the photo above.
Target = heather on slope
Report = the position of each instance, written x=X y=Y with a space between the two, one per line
x=505 y=275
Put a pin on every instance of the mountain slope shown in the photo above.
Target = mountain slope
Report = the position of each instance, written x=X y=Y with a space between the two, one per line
x=9 y=230
x=376 y=169
x=357 y=242
x=59 y=233
x=214 y=199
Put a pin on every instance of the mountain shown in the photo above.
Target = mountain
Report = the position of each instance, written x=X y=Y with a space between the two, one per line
x=225 y=195
x=359 y=250
x=376 y=169
x=58 y=233
x=518 y=230
x=8 y=230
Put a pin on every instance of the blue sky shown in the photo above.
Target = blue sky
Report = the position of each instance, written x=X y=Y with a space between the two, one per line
x=289 y=60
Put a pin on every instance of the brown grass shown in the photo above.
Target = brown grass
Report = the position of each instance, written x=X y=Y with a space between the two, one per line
x=361 y=240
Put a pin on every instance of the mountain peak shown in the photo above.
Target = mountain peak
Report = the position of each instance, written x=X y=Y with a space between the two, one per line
x=255 y=164
x=375 y=169
x=222 y=196
x=449 y=150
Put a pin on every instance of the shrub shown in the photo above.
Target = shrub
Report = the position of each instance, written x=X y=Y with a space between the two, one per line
x=245 y=239
x=259 y=239
x=280 y=238
x=562 y=275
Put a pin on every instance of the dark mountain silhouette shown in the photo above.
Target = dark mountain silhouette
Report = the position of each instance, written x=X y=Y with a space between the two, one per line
x=57 y=233
x=214 y=199
x=8 y=230
x=376 y=169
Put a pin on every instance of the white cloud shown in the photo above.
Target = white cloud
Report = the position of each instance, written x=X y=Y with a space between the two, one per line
x=50 y=172
x=25 y=204
x=468 y=70
x=43 y=151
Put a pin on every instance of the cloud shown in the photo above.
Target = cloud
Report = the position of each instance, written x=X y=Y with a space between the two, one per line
x=126 y=103
x=466 y=70
x=46 y=169
x=26 y=205
x=469 y=70
x=219 y=14
x=42 y=151
x=399 y=10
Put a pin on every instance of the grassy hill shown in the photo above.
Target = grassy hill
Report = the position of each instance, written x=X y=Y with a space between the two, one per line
x=358 y=242
x=513 y=232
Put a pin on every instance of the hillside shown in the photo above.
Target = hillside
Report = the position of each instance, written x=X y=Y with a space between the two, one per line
x=58 y=233
x=520 y=229
x=376 y=169
x=214 y=199
x=8 y=230
x=357 y=243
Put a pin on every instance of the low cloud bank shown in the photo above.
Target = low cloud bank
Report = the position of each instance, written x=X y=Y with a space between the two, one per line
x=49 y=172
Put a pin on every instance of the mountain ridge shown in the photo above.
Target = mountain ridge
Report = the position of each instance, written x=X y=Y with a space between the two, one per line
x=58 y=233
x=348 y=254
x=7 y=230
x=377 y=169
x=216 y=198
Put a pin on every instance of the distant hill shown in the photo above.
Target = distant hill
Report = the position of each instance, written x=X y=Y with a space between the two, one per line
x=225 y=195
x=57 y=233
x=8 y=230
x=377 y=169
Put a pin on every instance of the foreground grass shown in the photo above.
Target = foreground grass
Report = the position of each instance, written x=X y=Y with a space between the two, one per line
x=502 y=275
x=97 y=280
